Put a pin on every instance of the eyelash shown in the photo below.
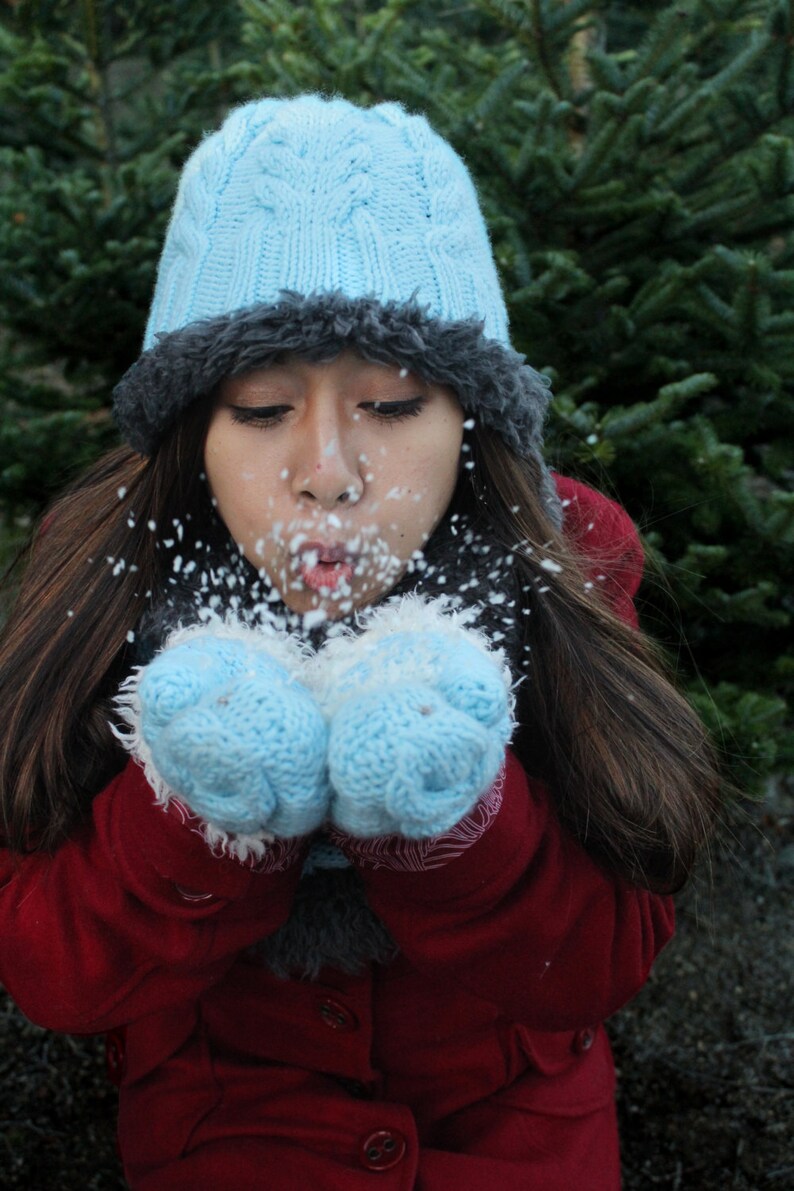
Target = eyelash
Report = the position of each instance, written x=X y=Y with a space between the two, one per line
x=384 y=411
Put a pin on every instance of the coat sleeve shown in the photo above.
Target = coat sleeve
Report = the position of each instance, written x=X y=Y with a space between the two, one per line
x=524 y=917
x=132 y=914
x=607 y=542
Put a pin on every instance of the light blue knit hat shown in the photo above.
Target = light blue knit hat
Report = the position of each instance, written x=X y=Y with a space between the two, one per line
x=308 y=225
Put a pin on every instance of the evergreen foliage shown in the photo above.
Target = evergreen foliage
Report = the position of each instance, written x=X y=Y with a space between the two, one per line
x=636 y=165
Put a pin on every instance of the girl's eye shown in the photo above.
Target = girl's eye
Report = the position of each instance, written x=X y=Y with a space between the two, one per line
x=394 y=411
x=260 y=415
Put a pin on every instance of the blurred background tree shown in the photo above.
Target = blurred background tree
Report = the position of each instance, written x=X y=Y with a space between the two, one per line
x=636 y=166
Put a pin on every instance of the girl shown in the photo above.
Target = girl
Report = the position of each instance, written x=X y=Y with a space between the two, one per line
x=338 y=782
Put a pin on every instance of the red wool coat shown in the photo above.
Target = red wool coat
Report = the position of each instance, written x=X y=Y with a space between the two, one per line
x=476 y=1061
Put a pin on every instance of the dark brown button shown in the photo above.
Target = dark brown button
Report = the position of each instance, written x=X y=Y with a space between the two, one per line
x=582 y=1040
x=383 y=1149
x=115 y=1056
x=336 y=1015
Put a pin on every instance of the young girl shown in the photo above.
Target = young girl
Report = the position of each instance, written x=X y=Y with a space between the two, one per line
x=339 y=784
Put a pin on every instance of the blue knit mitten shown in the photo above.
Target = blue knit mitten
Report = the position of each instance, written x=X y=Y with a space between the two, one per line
x=420 y=713
x=220 y=719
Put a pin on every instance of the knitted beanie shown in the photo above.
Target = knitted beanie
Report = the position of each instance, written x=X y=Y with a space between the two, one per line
x=309 y=225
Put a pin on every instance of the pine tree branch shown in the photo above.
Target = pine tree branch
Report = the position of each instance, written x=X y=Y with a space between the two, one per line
x=544 y=50
x=97 y=73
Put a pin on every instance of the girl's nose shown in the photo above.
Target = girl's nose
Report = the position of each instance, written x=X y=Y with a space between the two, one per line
x=326 y=467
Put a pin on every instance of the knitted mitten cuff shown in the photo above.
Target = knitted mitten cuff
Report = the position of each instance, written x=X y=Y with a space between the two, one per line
x=401 y=854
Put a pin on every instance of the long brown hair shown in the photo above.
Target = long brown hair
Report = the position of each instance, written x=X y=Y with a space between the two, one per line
x=633 y=773
x=628 y=761
x=99 y=555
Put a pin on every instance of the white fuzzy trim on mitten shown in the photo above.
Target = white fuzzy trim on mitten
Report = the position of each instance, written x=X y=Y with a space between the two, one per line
x=283 y=648
x=411 y=613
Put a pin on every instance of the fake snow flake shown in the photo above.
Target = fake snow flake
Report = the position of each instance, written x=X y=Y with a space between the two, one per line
x=151 y=525
x=284 y=473
x=591 y=439
x=468 y=424
x=403 y=373
x=130 y=637
x=548 y=564
x=177 y=564
x=122 y=493
x=314 y=618
x=70 y=613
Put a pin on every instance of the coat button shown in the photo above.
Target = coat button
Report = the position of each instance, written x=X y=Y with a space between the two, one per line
x=583 y=1040
x=336 y=1015
x=382 y=1150
x=115 y=1056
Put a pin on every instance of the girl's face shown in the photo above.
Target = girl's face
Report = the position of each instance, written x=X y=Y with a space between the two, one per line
x=331 y=476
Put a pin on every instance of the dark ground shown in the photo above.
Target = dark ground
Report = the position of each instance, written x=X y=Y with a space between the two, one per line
x=704 y=1053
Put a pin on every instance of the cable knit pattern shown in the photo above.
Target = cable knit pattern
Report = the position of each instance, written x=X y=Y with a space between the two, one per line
x=220 y=719
x=313 y=194
x=420 y=714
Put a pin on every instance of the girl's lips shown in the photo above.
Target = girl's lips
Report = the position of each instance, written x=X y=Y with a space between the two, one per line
x=327 y=552
x=325 y=565
x=327 y=575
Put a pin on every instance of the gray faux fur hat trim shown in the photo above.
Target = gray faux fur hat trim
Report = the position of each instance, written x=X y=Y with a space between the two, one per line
x=492 y=381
